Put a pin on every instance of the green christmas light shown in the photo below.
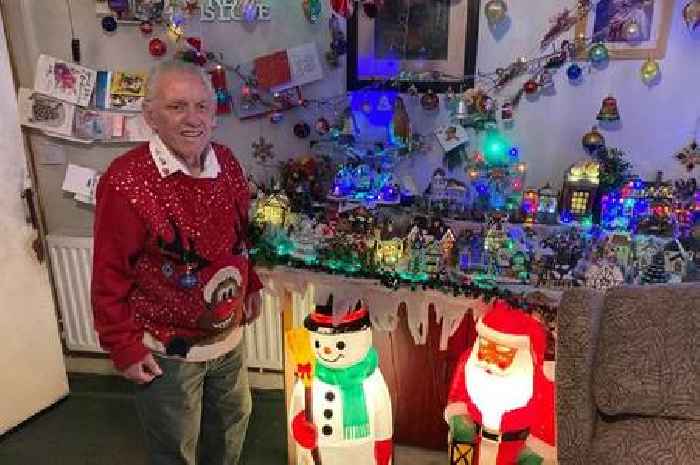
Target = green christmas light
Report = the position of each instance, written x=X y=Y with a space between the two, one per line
x=496 y=147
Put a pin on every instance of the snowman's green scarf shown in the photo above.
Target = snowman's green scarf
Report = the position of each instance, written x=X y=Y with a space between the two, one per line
x=355 y=421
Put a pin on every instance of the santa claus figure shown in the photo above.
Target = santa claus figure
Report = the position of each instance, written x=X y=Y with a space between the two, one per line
x=500 y=399
x=350 y=418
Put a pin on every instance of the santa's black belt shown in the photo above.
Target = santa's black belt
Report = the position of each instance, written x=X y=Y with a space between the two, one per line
x=519 y=435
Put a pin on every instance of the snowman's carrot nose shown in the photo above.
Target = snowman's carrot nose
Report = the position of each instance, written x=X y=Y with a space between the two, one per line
x=327 y=350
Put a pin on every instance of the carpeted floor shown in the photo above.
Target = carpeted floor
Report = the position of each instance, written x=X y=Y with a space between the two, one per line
x=97 y=425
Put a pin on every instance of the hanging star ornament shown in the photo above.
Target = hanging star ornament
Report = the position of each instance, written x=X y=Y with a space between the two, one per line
x=689 y=156
x=262 y=150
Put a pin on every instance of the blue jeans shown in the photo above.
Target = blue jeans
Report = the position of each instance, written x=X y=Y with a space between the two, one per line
x=197 y=407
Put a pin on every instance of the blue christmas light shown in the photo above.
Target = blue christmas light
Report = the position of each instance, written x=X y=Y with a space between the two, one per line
x=514 y=152
x=566 y=217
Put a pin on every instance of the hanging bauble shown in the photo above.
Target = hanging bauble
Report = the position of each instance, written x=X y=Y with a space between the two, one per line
x=530 y=87
x=109 y=24
x=650 y=70
x=312 y=10
x=691 y=14
x=302 y=130
x=495 y=11
x=276 y=117
x=146 y=28
x=598 y=53
x=593 y=141
x=249 y=12
x=343 y=8
x=322 y=126
x=430 y=101
x=157 y=47
x=370 y=8
x=574 y=72
x=633 y=31
x=608 y=110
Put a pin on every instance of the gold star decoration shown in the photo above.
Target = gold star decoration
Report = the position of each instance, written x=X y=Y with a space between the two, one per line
x=689 y=156
x=262 y=150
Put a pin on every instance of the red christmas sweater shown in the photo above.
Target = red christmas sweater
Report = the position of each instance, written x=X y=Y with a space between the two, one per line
x=149 y=231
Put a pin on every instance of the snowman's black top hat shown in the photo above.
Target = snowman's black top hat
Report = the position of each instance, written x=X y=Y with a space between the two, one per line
x=322 y=320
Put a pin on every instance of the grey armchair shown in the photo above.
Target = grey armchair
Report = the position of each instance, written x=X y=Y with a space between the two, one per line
x=628 y=376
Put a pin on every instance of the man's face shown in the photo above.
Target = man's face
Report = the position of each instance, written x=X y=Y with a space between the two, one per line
x=182 y=113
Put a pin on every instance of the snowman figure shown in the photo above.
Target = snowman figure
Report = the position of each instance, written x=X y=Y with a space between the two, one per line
x=350 y=419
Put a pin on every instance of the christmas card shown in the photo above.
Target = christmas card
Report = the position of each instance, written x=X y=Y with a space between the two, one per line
x=42 y=112
x=128 y=97
x=451 y=136
x=125 y=83
x=64 y=81
x=304 y=66
x=273 y=69
x=98 y=125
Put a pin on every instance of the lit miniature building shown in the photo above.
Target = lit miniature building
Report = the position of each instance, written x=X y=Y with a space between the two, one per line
x=580 y=187
x=547 y=205
x=272 y=210
x=388 y=253
x=530 y=205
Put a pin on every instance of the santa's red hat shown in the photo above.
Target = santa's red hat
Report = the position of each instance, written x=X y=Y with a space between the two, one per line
x=512 y=327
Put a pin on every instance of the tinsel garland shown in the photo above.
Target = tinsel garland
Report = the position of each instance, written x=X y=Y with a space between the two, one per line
x=263 y=254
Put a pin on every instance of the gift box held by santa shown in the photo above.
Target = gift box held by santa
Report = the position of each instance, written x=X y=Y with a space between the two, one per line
x=500 y=400
x=340 y=412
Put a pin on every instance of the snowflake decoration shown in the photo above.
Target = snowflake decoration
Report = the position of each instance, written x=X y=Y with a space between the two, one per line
x=689 y=156
x=262 y=150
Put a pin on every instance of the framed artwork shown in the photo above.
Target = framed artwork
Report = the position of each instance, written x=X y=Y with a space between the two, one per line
x=434 y=39
x=630 y=29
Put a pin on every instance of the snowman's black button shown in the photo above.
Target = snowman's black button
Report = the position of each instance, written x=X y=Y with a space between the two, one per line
x=328 y=413
x=330 y=396
x=327 y=430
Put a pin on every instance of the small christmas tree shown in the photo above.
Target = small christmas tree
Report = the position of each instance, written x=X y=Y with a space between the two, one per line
x=656 y=272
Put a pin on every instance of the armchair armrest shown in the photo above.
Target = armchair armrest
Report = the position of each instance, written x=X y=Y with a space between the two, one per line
x=578 y=327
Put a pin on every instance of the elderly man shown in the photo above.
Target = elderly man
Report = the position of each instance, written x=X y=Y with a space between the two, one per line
x=172 y=285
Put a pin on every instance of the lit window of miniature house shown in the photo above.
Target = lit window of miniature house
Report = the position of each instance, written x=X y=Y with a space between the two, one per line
x=580 y=189
x=546 y=205
x=389 y=252
x=272 y=210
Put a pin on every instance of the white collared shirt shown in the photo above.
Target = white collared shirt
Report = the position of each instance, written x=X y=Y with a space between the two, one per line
x=167 y=163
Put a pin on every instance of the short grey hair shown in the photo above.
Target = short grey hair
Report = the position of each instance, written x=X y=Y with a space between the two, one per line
x=175 y=67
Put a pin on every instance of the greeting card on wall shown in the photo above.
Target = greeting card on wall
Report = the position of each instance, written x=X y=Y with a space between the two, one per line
x=119 y=91
x=451 y=136
x=46 y=113
x=65 y=81
x=304 y=66
x=98 y=125
x=273 y=69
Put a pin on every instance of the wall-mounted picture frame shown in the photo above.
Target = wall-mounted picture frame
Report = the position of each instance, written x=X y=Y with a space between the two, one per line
x=435 y=39
x=612 y=21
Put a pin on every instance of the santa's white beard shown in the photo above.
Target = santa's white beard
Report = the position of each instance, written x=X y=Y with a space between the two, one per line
x=495 y=394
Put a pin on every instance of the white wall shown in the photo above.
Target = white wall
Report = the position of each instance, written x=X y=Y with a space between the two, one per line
x=655 y=122
x=31 y=362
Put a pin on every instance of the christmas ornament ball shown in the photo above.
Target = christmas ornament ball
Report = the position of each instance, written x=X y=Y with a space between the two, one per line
x=109 y=24
x=574 y=72
x=495 y=11
x=322 y=126
x=650 y=70
x=302 y=130
x=598 y=53
x=691 y=14
x=530 y=87
x=157 y=47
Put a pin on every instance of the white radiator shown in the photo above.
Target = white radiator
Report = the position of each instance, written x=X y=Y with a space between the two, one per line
x=71 y=263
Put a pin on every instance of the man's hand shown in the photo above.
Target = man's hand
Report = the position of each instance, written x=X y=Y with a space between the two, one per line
x=252 y=307
x=143 y=372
